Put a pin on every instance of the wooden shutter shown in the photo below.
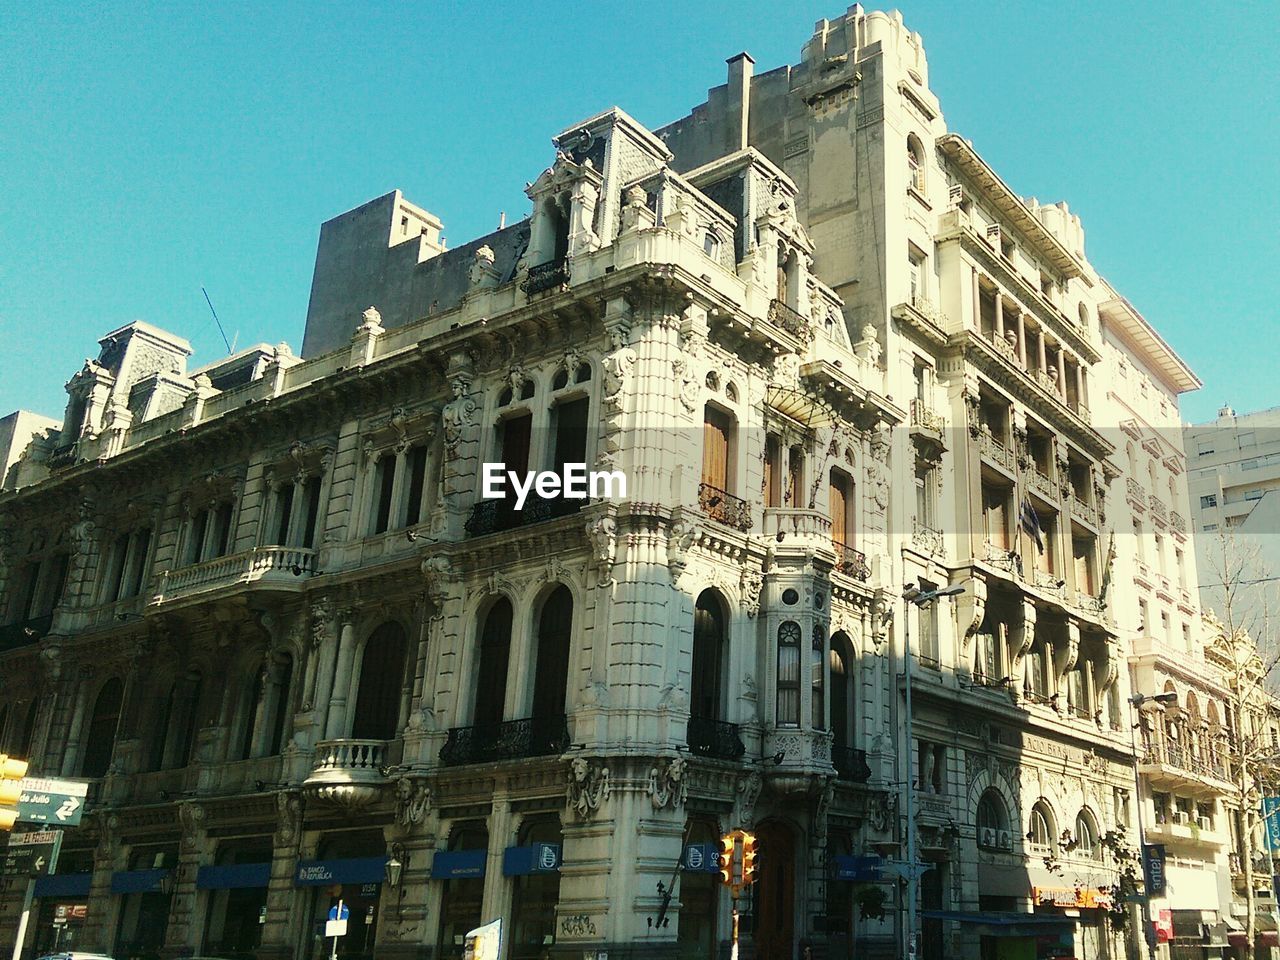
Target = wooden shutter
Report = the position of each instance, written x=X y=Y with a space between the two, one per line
x=839 y=511
x=715 y=449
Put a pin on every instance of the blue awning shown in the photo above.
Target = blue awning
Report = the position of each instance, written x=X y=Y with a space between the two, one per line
x=138 y=881
x=238 y=876
x=64 y=885
x=536 y=858
x=319 y=873
x=1005 y=924
x=458 y=864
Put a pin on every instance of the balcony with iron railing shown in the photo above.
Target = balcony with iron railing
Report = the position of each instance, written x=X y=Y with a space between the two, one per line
x=995 y=451
x=1178 y=524
x=495 y=516
x=268 y=567
x=926 y=538
x=1083 y=512
x=1178 y=761
x=546 y=276
x=715 y=739
x=790 y=320
x=1134 y=493
x=851 y=764
x=1158 y=508
x=724 y=507
x=509 y=740
x=852 y=563
x=24 y=632
x=1043 y=484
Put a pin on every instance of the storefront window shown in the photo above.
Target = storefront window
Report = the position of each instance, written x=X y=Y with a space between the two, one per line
x=147 y=893
x=462 y=898
x=236 y=901
x=62 y=908
x=696 y=936
x=534 y=898
x=352 y=865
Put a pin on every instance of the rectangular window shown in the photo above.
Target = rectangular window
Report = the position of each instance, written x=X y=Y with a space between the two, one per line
x=1253 y=495
x=284 y=508
x=199 y=530
x=118 y=573
x=927 y=618
x=1249 y=464
x=513 y=442
x=1204 y=448
x=384 y=479
x=137 y=574
x=772 y=471
x=924 y=495
x=569 y=430
x=715 y=449
x=1248 y=439
x=1035 y=678
x=222 y=529
x=1186 y=638
x=1144 y=624
x=789 y=674
x=1210 y=500
x=995 y=516
x=312 y=493
x=841 y=515
x=817 y=661
x=417 y=484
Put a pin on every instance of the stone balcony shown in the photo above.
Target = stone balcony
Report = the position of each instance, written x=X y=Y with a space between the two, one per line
x=789 y=526
x=801 y=755
x=270 y=568
x=996 y=452
x=793 y=322
x=350 y=773
x=927 y=539
x=925 y=424
x=1083 y=512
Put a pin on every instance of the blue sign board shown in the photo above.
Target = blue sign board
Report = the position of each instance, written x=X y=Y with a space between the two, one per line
x=320 y=873
x=239 y=876
x=458 y=864
x=859 y=869
x=64 y=885
x=701 y=858
x=138 y=881
x=536 y=858
x=1153 y=868
x=335 y=914
x=1271 y=817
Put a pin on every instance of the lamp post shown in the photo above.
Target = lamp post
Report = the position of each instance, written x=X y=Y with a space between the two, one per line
x=1135 y=704
x=392 y=870
x=913 y=595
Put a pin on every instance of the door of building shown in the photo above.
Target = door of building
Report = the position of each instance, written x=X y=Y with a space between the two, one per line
x=774 y=892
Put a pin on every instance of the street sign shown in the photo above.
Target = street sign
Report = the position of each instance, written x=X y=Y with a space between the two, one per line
x=339 y=912
x=1153 y=863
x=32 y=854
x=46 y=800
x=904 y=870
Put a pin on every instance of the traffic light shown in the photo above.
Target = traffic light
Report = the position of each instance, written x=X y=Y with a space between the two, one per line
x=726 y=858
x=748 y=859
x=12 y=771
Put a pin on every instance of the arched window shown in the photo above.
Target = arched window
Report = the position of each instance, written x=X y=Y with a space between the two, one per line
x=1041 y=829
x=1084 y=315
x=1087 y=845
x=708 y=657
x=491 y=677
x=100 y=742
x=843 y=693
x=992 y=821
x=817 y=687
x=915 y=163
x=382 y=679
x=789 y=634
x=551 y=671
x=583 y=373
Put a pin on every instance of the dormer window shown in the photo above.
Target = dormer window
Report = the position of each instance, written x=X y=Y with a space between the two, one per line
x=711 y=244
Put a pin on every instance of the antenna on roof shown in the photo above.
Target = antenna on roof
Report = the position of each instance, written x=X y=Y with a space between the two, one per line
x=502 y=219
x=226 y=342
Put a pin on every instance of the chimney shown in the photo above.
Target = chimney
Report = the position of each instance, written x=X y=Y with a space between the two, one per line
x=739 y=107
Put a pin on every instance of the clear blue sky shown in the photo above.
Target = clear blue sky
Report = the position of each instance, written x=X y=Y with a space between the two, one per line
x=151 y=149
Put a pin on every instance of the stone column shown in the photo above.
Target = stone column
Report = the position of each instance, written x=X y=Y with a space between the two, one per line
x=1042 y=350
x=497 y=888
x=284 y=901
x=336 y=725
x=999 y=314
x=269 y=706
x=324 y=654
x=1022 y=338
x=186 y=922
x=75 y=733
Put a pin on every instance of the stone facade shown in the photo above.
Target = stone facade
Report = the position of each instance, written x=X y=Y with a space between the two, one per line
x=264 y=609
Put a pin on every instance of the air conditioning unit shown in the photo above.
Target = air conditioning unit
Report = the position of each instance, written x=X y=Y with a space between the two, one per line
x=987 y=837
x=993 y=235
x=1180 y=818
x=1004 y=841
x=955 y=196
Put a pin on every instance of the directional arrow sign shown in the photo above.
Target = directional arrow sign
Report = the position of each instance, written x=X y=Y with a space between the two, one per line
x=904 y=870
x=32 y=854
x=46 y=800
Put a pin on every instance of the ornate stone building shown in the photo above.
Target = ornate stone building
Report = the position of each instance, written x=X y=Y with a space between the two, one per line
x=264 y=608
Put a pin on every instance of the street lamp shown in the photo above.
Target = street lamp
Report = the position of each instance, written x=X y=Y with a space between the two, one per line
x=914 y=595
x=1135 y=703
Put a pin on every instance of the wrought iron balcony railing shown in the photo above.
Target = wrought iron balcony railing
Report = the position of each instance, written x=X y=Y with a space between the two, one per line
x=494 y=516
x=725 y=507
x=546 y=276
x=925 y=418
x=850 y=764
x=509 y=740
x=792 y=321
x=715 y=738
x=14 y=635
x=852 y=563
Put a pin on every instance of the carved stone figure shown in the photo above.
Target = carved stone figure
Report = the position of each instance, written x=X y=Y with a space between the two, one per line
x=588 y=787
x=603 y=536
x=667 y=784
x=413 y=800
x=457 y=413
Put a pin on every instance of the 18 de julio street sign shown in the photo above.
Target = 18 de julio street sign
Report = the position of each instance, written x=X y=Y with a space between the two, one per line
x=52 y=801
x=32 y=854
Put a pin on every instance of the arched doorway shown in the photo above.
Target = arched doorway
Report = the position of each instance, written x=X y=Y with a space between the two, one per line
x=773 y=894
x=377 y=711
